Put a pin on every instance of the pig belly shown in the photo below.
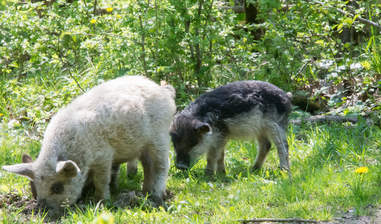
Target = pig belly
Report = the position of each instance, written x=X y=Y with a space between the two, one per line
x=246 y=126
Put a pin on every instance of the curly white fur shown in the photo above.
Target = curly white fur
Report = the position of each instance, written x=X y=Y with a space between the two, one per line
x=121 y=120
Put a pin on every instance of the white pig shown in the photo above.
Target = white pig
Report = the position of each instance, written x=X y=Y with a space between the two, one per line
x=121 y=120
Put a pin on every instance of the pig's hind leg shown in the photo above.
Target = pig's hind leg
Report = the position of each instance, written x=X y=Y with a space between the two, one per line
x=263 y=150
x=132 y=168
x=278 y=136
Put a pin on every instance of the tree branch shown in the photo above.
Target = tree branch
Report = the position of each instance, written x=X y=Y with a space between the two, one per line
x=197 y=45
x=143 y=56
x=236 y=9
x=359 y=18
x=95 y=7
x=277 y=220
x=187 y=28
x=61 y=57
x=301 y=69
x=325 y=119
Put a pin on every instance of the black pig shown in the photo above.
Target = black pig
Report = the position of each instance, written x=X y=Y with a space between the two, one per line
x=239 y=110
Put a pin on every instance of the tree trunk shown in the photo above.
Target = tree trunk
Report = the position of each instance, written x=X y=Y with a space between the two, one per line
x=251 y=16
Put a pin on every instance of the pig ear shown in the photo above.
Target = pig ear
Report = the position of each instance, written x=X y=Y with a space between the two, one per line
x=24 y=169
x=26 y=158
x=202 y=127
x=67 y=168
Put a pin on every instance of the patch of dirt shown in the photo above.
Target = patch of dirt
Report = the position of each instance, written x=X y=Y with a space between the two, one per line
x=169 y=195
x=128 y=199
x=350 y=217
x=12 y=201
x=132 y=199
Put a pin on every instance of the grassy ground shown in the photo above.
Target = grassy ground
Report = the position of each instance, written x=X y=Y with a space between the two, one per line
x=43 y=53
x=324 y=184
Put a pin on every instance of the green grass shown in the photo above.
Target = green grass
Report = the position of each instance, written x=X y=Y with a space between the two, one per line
x=44 y=53
x=324 y=182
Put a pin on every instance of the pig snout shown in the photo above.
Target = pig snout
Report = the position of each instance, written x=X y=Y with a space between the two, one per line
x=182 y=165
x=51 y=211
x=44 y=205
x=182 y=161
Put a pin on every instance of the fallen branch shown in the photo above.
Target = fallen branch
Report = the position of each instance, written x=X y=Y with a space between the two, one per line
x=325 y=119
x=236 y=9
x=277 y=220
x=71 y=75
x=359 y=18
x=301 y=69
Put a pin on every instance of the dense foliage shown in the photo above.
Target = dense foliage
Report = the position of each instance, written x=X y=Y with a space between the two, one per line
x=194 y=45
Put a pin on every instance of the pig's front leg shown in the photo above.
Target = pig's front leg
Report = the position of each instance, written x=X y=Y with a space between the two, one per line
x=101 y=179
x=215 y=158
x=132 y=168
x=155 y=163
x=114 y=177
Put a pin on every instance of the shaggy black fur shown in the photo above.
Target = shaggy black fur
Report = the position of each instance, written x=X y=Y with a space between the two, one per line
x=224 y=102
x=237 y=98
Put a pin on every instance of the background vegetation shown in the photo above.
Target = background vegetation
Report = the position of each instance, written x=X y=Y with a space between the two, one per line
x=52 y=51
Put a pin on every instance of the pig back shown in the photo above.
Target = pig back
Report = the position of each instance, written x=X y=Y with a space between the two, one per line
x=126 y=113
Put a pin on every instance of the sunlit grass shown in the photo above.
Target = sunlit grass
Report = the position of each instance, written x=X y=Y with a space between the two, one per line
x=325 y=182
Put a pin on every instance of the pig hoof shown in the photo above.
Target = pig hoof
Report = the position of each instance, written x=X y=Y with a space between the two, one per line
x=114 y=187
x=54 y=215
x=102 y=196
x=209 y=172
x=132 y=172
x=221 y=172
x=255 y=169
x=288 y=172
x=157 y=202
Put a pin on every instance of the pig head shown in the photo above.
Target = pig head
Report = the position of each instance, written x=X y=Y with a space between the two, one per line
x=59 y=182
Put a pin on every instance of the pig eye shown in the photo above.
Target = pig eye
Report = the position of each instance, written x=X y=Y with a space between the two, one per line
x=174 y=136
x=57 y=188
